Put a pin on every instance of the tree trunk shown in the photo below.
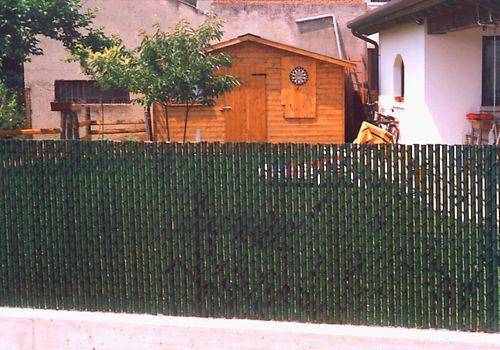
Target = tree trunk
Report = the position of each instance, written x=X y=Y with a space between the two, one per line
x=185 y=122
x=147 y=115
x=166 y=122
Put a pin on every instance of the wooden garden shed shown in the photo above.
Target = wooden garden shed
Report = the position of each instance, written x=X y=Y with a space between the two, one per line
x=286 y=95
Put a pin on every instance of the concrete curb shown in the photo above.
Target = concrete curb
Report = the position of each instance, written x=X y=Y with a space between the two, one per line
x=49 y=329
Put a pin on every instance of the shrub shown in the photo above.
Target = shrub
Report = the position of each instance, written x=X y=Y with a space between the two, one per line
x=11 y=113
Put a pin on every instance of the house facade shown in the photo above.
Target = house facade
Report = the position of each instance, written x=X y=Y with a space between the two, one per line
x=318 y=26
x=437 y=64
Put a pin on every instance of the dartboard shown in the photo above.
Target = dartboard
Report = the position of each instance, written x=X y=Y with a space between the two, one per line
x=299 y=76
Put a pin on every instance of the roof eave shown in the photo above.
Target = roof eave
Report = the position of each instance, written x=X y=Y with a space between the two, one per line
x=394 y=12
x=284 y=47
x=403 y=11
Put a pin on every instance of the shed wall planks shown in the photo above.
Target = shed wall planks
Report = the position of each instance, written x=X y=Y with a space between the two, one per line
x=324 y=103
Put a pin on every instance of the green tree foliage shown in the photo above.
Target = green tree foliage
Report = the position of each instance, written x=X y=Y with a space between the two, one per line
x=11 y=115
x=23 y=21
x=170 y=67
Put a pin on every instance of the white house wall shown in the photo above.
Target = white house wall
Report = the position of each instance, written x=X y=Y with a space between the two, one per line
x=453 y=81
x=409 y=42
x=443 y=75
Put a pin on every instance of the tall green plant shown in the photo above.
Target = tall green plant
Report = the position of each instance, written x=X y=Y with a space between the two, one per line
x=192 y=68
x=167 y=67
x=11 y=114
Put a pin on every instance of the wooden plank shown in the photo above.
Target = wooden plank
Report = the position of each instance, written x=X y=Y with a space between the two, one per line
x=30 y=132
x=118 y=131
x=112 y=122
x=310 y=92
x=60 y=106
x=208 y=120
x=287 y=93
x=233 y=100
x=299 y=100
x=256 y=116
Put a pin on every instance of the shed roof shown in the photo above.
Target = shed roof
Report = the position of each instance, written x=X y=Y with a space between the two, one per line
x=257 y=39
x=402 y=11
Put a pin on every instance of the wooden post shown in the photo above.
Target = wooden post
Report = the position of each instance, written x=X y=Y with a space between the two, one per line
x=88 y=127
x=63 y=124
x=75 y=126
x=69 y=125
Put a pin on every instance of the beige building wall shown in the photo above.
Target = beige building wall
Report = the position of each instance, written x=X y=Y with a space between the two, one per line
x=123 y=17
x=283 y=21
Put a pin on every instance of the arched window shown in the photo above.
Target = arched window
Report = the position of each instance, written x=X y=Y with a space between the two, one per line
x=399 y=78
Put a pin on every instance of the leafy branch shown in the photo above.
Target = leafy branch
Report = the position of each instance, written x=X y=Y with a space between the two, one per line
x=168 y=68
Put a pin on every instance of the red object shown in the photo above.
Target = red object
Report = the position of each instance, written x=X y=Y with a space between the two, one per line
x=479 y=116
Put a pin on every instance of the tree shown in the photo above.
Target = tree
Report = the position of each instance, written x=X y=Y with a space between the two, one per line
x=167 y=67
x=23 y=21
x=193 y=68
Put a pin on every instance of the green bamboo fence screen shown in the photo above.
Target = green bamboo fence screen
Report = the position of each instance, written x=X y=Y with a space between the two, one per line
x=379 y=235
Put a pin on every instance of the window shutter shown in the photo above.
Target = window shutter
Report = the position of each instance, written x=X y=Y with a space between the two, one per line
x=299 y=101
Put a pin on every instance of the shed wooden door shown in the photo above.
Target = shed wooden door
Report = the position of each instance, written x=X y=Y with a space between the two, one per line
x=245 y=106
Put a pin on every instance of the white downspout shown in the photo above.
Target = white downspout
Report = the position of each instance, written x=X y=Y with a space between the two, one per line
x=335 y=27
